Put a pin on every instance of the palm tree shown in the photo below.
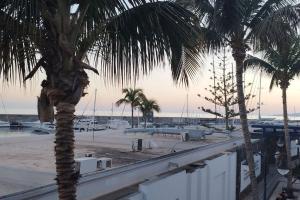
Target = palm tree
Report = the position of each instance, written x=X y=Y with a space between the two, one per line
x=124 y=38
x=239 y=24
x=132 y=97
x=147 y=106
x=282 y=63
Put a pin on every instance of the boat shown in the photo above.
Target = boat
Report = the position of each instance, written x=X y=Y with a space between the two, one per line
x=118 y=124
x=15 y=125
x=44 y=128
x=4 y=124
x=88 y=124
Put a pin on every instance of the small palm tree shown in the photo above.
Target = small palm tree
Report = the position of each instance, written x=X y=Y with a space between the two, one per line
x=241 y=24
x=147 y=106
x=132 y=97
x=282 y=63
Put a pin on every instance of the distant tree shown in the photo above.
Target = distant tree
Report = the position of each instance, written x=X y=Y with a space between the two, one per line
x=132 y=97
x=147 y=106
x=223 y=91
x=282 y=63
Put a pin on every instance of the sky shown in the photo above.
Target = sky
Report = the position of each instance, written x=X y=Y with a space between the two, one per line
x=172 y=98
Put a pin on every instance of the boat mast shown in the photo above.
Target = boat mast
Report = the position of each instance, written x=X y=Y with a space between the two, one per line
x=4 y=108
x=94 y=112
x=259 y=97
x=187 y=108
x=232 y=75
x=215 y=90
x=112 y=111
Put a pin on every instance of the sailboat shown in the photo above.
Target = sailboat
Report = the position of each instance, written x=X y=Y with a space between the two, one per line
x=89 y=123
x=117 y=123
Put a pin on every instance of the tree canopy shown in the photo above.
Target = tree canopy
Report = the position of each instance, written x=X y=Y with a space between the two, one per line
x=123 y=38
x=281 y=62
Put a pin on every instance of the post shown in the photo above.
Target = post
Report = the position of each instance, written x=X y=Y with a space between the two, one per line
x=138 y=118
x=265 y=166
x=187 y=108
x=259 y=97
x=94 y=112
x=214 y=78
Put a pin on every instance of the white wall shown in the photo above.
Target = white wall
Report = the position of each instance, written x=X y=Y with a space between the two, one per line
x=136 y=196
x=215 y=181
x=245 y=178
x=220 y=180
x=294 y=148
x=166 y=188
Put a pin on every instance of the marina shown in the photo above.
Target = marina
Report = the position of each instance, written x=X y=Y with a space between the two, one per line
x=35 y=152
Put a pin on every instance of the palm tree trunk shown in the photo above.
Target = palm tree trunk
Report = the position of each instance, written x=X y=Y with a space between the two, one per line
x=287 y=138
x=131 y=116
x=239 y=56
x=145 y=121
x=226 y=124
x=64 y=151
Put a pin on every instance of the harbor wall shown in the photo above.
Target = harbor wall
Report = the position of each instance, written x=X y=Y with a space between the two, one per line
x=104 y=119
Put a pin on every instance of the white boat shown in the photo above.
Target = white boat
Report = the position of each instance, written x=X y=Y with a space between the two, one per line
x=148 y=125
x=44 y=128
x=88 y=124
x=4 y=124
x=118 y=124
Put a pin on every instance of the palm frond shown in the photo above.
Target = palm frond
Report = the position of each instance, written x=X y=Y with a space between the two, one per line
x=264 y=8
x=274 y=81
x=122 y=101
x=132 y=96
x=149 y=105
x=276 y=26
x=281 y=61
x=19 y=36
x=255 y=62
x=140 y=38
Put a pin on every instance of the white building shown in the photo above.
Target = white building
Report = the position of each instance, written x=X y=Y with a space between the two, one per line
x=214 y=179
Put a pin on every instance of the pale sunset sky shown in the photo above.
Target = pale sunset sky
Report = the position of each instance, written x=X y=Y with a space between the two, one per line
x=158 y=85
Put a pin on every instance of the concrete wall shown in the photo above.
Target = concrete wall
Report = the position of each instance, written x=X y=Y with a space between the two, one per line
x=245 y=178
x=218 y=178
x=215 y=180
x=166 y=188
x=294 y=148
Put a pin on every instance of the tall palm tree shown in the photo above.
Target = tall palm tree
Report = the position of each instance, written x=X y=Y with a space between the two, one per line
x=124 y=38
x=132 y=97
x=147 y=106
x=282 y=63
x=240 y=24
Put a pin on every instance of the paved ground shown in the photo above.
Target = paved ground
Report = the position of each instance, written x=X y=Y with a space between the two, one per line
x=16 y=180
x=28 y=161
x=88 y=188
x=275 y=184
x=282 y=184
x=272 y=179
